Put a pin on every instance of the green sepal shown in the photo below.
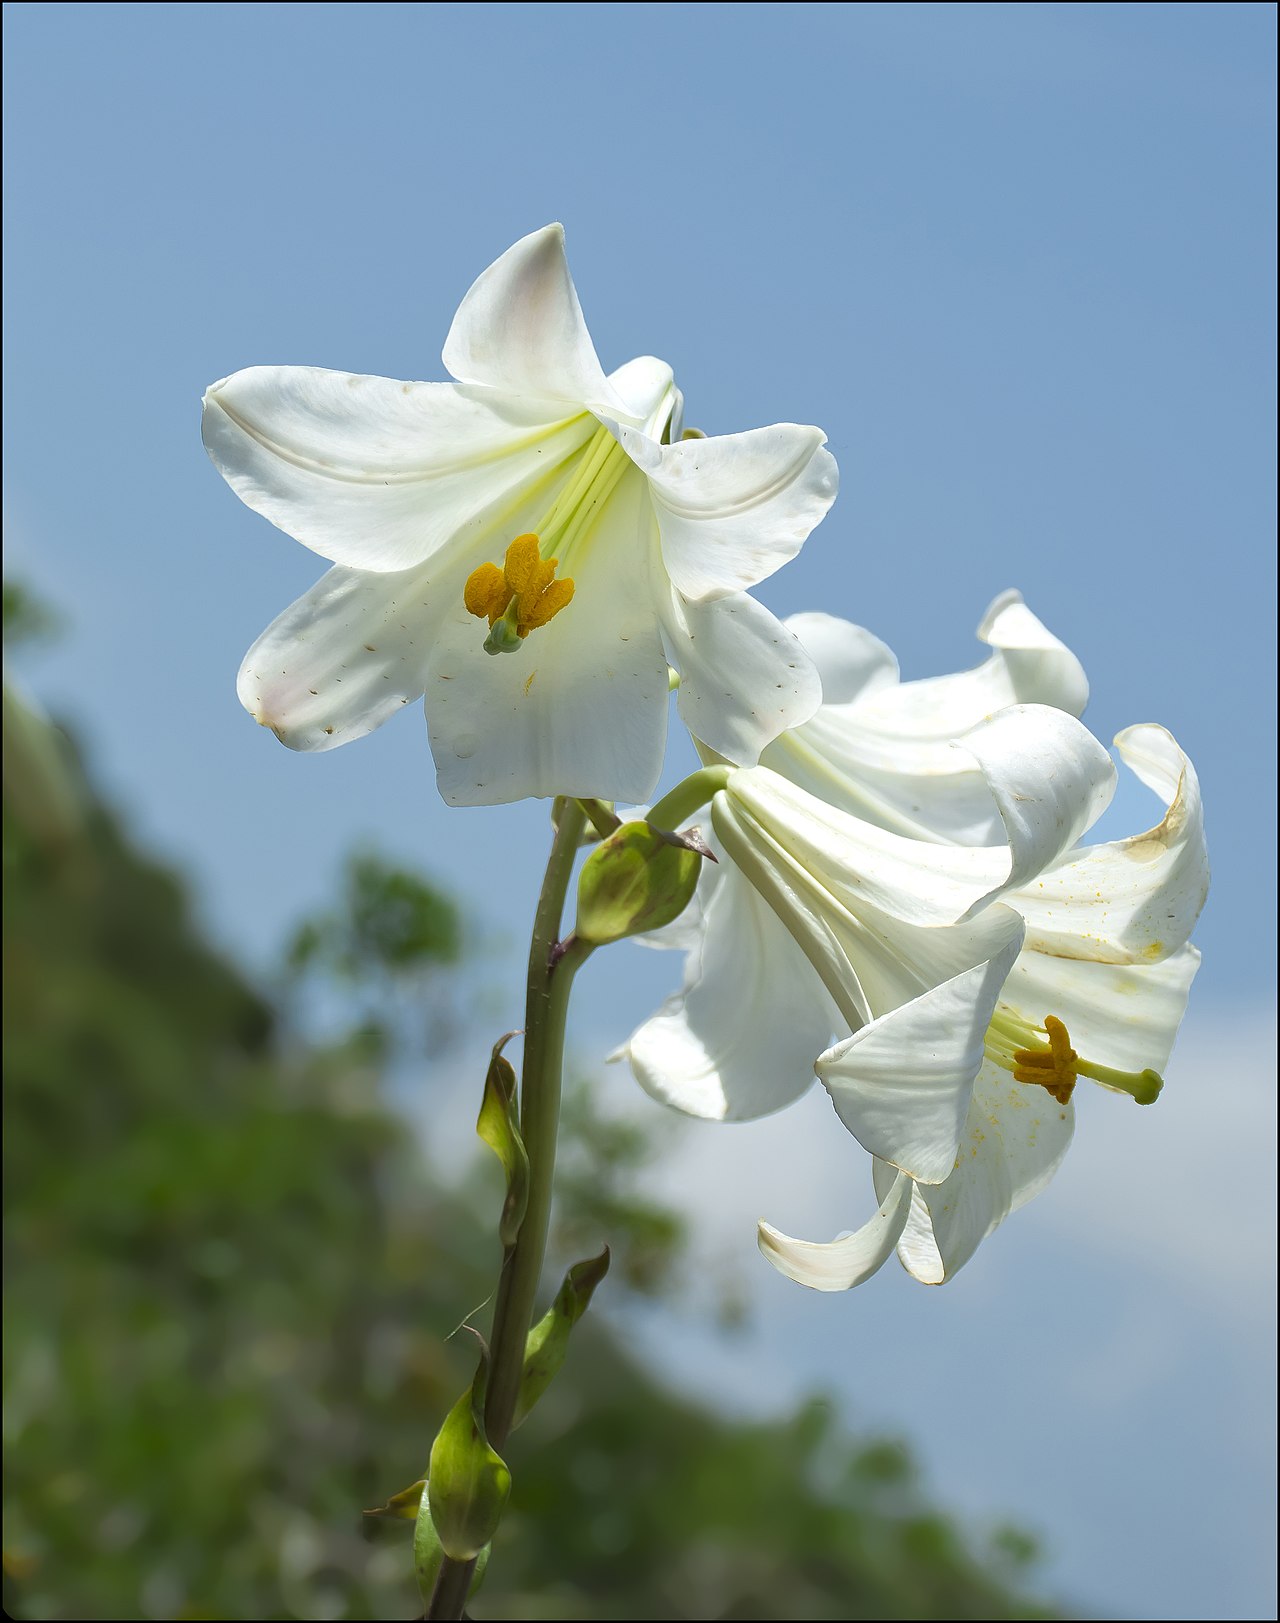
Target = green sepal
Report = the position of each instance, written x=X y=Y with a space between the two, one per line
x=469 y=1480
x=639 y=879
x=402 y=1506
x=428 y=1552
x=498 y=1125
x=548 y=1341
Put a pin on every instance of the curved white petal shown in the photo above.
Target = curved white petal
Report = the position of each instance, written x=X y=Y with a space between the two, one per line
x=1050 y=779
x=520 y=328
x=1029 y=666
x=733 y=509
x=1014 y=1140
x=376 y=474
x=744 y=678
x=850 y=1259
x=883 y=751
x=851 y=662
x=861 y=865
x=1134 y=900
x=785 y=887
x=1036 y=666
x=347 y=655
x=740 y=1040
x=647 y=390
x=1122 y=1015
x=581 y=707
x=902 y=1084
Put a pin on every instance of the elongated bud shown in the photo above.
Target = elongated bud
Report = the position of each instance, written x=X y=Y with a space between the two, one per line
x=548 y=1341
x=498 y=1127
x=639 y=879
x=469 y=1480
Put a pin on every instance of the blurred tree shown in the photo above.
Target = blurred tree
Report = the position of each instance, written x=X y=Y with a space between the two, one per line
x=226 y=1285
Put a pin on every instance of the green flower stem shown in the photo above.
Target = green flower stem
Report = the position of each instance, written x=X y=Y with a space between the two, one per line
x=453 y=1584
x=603 y=817
x=685 y=799
x=546 y=1007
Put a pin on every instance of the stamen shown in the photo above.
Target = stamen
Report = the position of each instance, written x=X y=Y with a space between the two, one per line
x=519 y=597
x=1043 y=1056
x=1053 y=1068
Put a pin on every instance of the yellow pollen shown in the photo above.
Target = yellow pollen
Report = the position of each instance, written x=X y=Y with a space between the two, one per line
x=1053 y=1068
x=524 y=593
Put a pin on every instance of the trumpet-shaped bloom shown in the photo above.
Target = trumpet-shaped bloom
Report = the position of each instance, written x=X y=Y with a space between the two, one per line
x=853 y=921
x=967 y=1034
x=536 y=510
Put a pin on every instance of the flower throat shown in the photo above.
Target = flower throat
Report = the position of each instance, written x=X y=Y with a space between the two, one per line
x=525 y=593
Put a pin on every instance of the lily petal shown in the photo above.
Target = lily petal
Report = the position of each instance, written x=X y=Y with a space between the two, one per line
x=848 y=1260
x=376 y=474
x=1036 y=666
x=343 y=658
x=851 y=662
x=902 y=1084
x=520 y=329
x=1050 y=779
x=744 y=678
x=581 y=708
x=1014 y=1140
x=719 y=1049
x=883 y=751
x=733 y=509
x=1134 y=900
x=1122 y=1015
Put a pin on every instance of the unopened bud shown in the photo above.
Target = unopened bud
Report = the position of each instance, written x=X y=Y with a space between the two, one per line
x=638 y=879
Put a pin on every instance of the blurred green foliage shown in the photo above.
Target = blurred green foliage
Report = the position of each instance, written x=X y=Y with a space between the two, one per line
x=228 y=1288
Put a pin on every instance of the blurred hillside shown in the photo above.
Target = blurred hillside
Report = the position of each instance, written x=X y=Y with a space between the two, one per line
x=229 y=1289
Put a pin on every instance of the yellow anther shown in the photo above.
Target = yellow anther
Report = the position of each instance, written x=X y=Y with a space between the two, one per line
x=524 y=592
x=1054 y=1068
x=486 y=593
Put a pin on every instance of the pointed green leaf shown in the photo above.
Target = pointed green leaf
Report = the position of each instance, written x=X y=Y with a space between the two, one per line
x=428 y=1553
x=403 y=1505
x=639 y=879
x=498 y=1126
x=548 y=1341
x=469 y=1480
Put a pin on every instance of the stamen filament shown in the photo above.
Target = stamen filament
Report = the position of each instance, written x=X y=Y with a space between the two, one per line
x=1043 y=1055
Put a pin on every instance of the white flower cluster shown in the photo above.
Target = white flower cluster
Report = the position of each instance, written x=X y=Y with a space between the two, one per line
x=902 y=902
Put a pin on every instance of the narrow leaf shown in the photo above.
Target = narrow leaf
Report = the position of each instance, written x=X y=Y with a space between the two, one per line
x=548 y=1341
x=498 y=1126
x=404 y=1505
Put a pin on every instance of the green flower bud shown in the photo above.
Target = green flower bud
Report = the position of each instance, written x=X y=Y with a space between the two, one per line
x=638 y=879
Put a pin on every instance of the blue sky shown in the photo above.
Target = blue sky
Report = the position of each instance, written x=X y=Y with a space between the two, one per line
x=1018 y=261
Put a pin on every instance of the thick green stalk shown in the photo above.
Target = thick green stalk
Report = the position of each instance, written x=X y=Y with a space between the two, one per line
x=550 y=980
x=686 y=798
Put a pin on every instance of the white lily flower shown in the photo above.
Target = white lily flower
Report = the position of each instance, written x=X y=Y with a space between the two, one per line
x=841 y=923
x=1098 y=990
x=537 y=496
x=1104 y=965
